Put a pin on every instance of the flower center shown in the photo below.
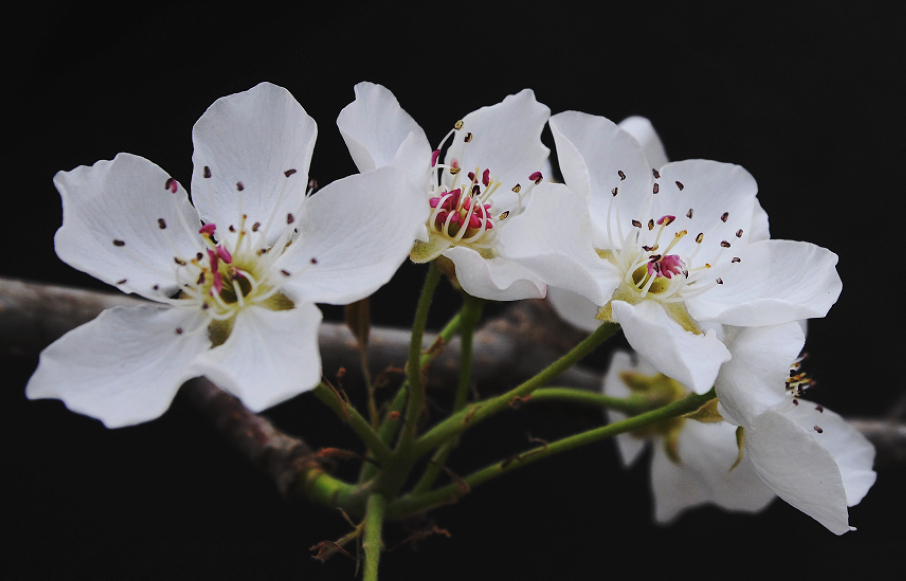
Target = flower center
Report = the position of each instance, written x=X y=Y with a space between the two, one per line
x=654 y=267
x=233 y=271
x=464 y=206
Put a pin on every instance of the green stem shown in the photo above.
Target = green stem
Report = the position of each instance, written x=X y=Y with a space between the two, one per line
x=372 y=544
x=470 y=316
x=319 y=486
x=388 y=426
x=359 y=425
x=410 y=504
x=632 y=405
x=477 y=412
x=413 y=367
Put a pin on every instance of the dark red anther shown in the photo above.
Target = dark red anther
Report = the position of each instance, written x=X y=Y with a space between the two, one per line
x=171 y=185
x=486 y=177
x=434 y=155
x=536 y=177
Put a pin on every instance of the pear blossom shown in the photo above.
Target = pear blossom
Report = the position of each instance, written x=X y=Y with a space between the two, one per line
x=678 y=249
x=693 y=463
x=808 y=455
x=233 y=278
x=480 y=194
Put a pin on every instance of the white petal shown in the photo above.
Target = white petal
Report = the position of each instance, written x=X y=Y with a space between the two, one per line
x=777 y=281
x=592 y=152
x=574 y=308
x=691 y=359
x=495 y=279
x=760 y=229
x=506 y=138
x=753 y=381
x=353 y=236
x=554 y=238
x=641 y=129
x=789 y=459
x=269 y=357
x=375 y=129
x=707 y=452
x=711 y=189
x=254 y=138
x=628 y=445
x=124 y=367
x=852 y=451
x=112 y=214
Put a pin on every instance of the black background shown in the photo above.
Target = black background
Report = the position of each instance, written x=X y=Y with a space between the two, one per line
x=802 y=97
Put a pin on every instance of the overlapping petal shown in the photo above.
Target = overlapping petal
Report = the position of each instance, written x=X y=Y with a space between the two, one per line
x=269 y=357
x=354 y=234
x=689 y=358
x=123 y=367
x=252 y=154
x=778 y=281
x=124 y=221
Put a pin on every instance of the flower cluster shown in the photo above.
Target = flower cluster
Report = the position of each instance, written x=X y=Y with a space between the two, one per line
x=678 y=254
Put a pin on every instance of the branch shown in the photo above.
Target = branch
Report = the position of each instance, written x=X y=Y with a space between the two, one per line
x=508 y=350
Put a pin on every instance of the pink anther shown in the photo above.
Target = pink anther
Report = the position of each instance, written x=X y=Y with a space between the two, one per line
x=666 y=220
x=536 y=177
x=434 y=155
x=486 y=177
x=208 y=229
x=224 y=254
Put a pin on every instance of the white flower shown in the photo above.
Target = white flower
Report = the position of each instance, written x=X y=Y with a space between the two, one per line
x=692 y=462
x=806 y=453
x=679 y=247
x=479 y=194
x=235 y=277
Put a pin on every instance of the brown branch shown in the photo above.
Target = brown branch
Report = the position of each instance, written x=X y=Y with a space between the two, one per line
x=508 y=349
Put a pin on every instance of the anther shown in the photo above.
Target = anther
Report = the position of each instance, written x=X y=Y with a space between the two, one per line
x=179 y=330
x=170 y=185
x=289 y=172
x=231 y=228
x=434 y=155
x=504 y=215
x=207 y=229
x=724 y=244
x=121 y=281
x=735 y=260
x=795 y=402
x=615 y=191
x=724 y=216
x=680 y=185
x=636 y=223
x=284 y=272
x=666 y=220
x=651 y=224
x=161 y=223
x=290 y=219
x=655 y=189
x=700 y=237
x=819 y=430
x=455 y=170
x=458 y=125
x=119 y=243
x=207 y=172
x=819 y=409
x=720 y=281
x=468 y=137
x=200 y=280
x=486 y=177
x=655 y=173
x=314 y=260
x=155 y=287
x=255 y=226
x=239 y=186
x=536 y=177
x=179 y=261
x=199 y=255
x=739 y=233
x=689 y=214
x=517 y=188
